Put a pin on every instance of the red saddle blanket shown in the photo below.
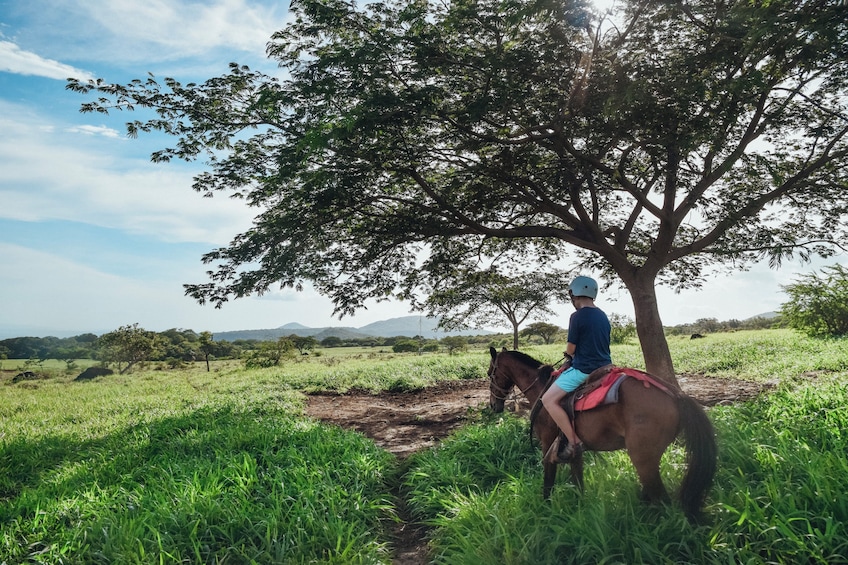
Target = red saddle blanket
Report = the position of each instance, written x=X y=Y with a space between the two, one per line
x=605 y=390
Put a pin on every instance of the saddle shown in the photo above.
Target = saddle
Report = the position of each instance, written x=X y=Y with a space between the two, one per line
x=602 y=386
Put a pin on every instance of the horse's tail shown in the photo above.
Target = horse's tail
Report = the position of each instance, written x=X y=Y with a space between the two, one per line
x=701 y=455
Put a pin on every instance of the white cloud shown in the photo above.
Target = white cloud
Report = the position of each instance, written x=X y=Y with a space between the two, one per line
x=154 y=31
x=67 y=294
x=49 y=174
x=15 y=60
x=190 y=27
x=96 y=130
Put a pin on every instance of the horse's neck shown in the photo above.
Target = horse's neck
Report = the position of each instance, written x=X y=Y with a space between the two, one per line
x=530 y=385
x=533 y=394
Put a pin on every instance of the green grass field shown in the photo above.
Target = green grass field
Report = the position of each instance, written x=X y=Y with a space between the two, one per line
x=222 y=467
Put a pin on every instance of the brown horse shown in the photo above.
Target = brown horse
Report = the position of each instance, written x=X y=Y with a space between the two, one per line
x=644 y=422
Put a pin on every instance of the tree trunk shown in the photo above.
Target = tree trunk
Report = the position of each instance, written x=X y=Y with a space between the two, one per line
x=515 y=335
x=649 y=328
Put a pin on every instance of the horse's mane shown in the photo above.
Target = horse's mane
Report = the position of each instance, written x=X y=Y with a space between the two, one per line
x=544 y=370
x=524 y=358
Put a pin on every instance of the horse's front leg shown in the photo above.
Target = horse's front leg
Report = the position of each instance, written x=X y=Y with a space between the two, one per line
x=547 y=432
x=577 y=471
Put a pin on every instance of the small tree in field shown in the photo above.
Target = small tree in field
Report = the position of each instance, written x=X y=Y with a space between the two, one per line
x=547 y=332
x=129 y=346
x=454 y=343
x=304 y=344
x=406 y=346
x=207 y=346
x=489 y=296
x=270 y=353
x=818 y=304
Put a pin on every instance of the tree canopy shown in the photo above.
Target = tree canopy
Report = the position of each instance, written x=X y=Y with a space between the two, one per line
x=654 y=144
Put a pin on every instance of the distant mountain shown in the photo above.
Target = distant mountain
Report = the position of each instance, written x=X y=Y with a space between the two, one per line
x=408 y=326
x=766 y=315
x=294 y=326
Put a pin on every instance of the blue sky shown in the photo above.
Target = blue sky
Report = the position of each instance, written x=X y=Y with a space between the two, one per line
x=94 y=236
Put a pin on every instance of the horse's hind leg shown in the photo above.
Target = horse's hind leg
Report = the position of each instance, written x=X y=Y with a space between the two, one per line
x=646 y=460
x=550 y=472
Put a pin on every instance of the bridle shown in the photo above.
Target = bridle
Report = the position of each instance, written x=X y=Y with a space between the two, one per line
x=496 y=388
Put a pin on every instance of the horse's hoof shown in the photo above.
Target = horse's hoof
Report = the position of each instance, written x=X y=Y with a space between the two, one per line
x=572 y=452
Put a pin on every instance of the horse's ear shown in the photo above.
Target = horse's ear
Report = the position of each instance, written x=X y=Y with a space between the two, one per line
x=504 y=349
x=492 y=352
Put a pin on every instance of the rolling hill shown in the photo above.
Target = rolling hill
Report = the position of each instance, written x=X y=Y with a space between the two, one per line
x=409 y=326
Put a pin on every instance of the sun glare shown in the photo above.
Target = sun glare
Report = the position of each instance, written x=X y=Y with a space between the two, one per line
x=603 y=6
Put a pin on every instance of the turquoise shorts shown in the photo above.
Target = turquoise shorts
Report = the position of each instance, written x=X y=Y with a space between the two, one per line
x=570 y=379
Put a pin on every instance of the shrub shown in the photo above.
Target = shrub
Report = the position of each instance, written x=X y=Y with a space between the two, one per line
x=405 y=346
x=818 y=304
x=621 y=328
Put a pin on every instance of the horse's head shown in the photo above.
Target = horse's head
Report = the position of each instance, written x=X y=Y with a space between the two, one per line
x=500 y=384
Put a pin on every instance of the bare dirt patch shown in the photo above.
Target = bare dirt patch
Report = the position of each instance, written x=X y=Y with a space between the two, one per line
x=406 y=422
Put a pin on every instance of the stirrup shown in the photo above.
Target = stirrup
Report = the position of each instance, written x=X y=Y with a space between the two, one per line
x=561 y=454
x=552 y=455
x=571 y=452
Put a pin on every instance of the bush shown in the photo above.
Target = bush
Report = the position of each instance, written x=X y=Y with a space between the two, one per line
x=405 y=346
x=621 y=328
x=818 y=304
x=270 y=354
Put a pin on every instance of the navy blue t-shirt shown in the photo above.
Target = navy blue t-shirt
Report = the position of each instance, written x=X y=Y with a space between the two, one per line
x=589 y=330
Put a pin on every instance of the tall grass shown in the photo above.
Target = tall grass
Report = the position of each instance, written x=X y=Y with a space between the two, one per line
x=376 y=373
x=152 y=468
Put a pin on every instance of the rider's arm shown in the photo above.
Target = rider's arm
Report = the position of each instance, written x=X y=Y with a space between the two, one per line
x=570 y=348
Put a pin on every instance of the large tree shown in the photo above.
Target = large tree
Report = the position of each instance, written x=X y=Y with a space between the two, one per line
x=658 y=143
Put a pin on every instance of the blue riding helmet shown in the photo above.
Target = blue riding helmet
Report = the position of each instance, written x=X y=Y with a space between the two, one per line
x=584 y=286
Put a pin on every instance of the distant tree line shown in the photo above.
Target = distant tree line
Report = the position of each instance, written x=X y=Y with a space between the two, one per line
x=713 y=325
x=817 y=307
x=173 y=345
x=129 y=345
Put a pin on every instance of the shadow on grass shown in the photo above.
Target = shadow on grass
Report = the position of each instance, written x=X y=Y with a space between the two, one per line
x=209 y=485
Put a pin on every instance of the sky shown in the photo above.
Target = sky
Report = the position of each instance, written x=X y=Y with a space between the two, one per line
x=94 y=236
